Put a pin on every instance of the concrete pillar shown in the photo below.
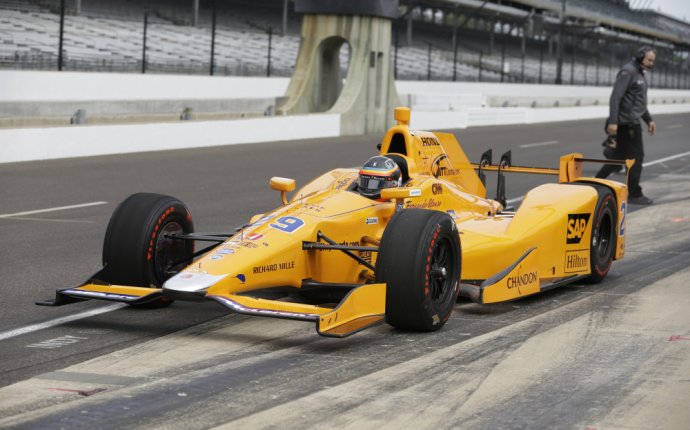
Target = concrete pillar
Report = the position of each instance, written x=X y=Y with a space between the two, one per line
x=368 y=96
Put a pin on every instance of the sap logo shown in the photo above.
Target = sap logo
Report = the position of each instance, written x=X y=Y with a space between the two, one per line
x=577 y=224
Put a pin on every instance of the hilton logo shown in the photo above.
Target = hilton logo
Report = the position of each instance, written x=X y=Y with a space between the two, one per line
x=576 y=261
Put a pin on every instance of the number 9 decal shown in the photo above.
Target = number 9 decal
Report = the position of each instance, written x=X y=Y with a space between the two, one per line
x=288 y=224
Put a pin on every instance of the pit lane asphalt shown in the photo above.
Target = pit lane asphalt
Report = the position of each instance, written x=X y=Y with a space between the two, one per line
x=224 y=187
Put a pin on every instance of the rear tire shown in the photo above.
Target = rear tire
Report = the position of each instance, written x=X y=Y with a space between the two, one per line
x=603 y=240
x=420 y=262
x=136 y=250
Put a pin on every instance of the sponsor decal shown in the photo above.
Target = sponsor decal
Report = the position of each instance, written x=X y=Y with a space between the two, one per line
x=577 y=224
x=217 y=257
x=288 y=224
x=225 y=251
x=249 y=245
x=522 y=279
x=415 y=192
x=624 y=209
x=430 y=141
x=254 y=236
x=372 y=220
x=438 y=170
x=576 y=261
x=312 y=207
x=426 y=204
x=436 y=189
x=286 y=265
x=342 y=183
x=261 y=221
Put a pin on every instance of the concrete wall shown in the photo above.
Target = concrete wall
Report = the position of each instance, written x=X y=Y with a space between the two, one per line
x=442 y=105
x=24 y=144
x=17 y=86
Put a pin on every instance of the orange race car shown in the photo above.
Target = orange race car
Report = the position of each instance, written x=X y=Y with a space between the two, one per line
x=398 y=240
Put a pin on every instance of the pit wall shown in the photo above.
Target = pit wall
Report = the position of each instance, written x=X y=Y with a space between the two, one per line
x=436 y=105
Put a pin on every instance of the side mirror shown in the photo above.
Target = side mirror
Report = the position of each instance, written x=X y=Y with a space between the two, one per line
x=284 y=185
x=399 y=194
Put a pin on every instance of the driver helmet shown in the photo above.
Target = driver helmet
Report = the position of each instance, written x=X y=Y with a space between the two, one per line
x=378 y=173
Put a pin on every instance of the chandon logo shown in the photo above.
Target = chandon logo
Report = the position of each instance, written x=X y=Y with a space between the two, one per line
x=577 y=224
x=521 y=280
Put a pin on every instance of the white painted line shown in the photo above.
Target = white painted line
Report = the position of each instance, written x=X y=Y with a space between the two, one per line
x=52 y=220
x=663 y=160
x=59 y=208
x=531 y=145
x=52 y=323
x=671 y=127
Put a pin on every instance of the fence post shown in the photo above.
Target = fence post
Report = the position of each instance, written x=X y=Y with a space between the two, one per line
x=503 y=61
x=481 y=54
x=572 y=63
x=62 y=31
x=270 y=39
x=213 y=36
x=596 y=79
x=143 y=51
x=541 y=61
x=428 y=63
x=455 y=49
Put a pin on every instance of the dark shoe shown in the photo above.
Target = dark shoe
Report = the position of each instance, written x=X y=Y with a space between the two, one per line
x=641 y=200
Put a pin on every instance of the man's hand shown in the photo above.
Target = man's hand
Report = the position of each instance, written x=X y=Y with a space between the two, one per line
x=612 y=129
x=651 y=127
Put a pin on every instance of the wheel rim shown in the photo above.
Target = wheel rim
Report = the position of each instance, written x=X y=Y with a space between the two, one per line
x=440 y=273
x=602 y=238
x=168 y=251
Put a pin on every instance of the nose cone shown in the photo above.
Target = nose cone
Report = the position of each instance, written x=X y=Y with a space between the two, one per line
x=190 y=282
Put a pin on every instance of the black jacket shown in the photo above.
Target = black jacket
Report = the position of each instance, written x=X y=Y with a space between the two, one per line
x=629 y=96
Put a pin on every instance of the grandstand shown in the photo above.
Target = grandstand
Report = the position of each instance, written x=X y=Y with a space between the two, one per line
x=468 y=40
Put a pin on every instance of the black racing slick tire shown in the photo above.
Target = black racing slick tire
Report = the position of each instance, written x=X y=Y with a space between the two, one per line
x=603 y=240
x=420 y=261
x=137 y=250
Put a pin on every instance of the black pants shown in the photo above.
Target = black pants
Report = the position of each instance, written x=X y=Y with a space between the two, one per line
x=629 y=145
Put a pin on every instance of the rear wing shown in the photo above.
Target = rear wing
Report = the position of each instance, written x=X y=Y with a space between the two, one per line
x=570 y=169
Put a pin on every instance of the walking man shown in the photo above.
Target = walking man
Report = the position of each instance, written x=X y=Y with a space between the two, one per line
x=628 y=105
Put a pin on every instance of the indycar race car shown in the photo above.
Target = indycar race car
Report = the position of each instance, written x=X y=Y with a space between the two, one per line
x=397 y=240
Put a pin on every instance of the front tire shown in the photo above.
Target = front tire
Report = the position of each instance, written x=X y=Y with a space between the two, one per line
x=137 y=250
x=603 y=240
x=420 y=262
